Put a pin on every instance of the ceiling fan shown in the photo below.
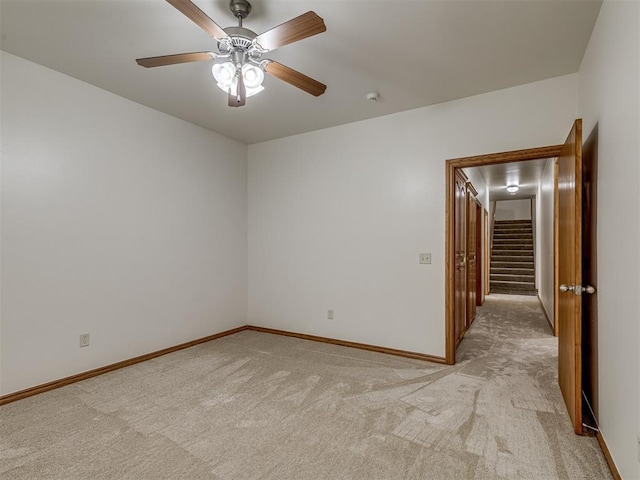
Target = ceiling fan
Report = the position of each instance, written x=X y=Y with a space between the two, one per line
x=241 y=70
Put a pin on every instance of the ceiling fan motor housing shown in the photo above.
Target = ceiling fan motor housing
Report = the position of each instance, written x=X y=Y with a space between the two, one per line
x=241 y=38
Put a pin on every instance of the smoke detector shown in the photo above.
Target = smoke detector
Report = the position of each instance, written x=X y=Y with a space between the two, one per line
x=373 y=96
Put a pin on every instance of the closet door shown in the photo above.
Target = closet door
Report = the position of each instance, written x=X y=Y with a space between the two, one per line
x=460 y=245
x=471 y=255
x=480 y=254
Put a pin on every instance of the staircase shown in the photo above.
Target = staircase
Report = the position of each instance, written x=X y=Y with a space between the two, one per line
x=512 y=267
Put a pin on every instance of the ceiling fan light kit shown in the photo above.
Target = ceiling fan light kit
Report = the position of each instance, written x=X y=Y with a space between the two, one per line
x=238 y=67
x=226 y=76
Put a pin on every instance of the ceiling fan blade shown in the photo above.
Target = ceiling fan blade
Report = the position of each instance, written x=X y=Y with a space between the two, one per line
x=295 y=78
x=174 y=59
x=306 y=25
x=240 y=98
x=197 y=16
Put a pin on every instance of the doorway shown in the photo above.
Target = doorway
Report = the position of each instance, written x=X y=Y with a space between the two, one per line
x=453 y=259
x=574 y=270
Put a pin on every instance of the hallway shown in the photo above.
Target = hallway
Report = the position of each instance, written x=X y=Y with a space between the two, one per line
x=520 y=424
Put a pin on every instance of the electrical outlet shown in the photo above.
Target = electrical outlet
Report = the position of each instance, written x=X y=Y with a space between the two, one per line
x=84 y=340
x=425 y=258
x=330 y=314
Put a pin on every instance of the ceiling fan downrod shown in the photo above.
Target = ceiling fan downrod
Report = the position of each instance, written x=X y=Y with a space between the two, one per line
x=240 y=9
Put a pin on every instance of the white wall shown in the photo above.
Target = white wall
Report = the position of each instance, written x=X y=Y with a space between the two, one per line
x=117 y=220
x=513 y=209
x=544 y=237
x=609 y=95
x=337 y=217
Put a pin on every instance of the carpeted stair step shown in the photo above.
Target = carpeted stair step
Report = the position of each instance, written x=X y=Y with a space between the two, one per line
x=511 y=233
x=501 y=226
x=511 y=229
x=511 y=258
x=512 y=236
x=498 y=278
x=512 y=265
x=513 y=271
x=506 y=291
x=502 y=240
x=513 y=222
x=512 y=252
x=508 y=231
x=519 y=245
x=512 y=226
x=499 y=235
x=513 y=286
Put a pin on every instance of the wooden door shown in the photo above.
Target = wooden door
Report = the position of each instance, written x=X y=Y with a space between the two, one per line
x=570 y=274
x=460 y=245
x=471 y=258
x=556 y=249
x=479 y=254
x=487 y=257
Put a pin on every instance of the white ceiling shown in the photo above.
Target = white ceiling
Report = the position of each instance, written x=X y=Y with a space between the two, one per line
x=414 y=52
x=526 y=175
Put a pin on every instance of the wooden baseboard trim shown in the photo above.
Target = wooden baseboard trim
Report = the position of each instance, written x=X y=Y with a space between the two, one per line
x=608 y=457
x=344 y=343
x=45 y=387
x=546 y=315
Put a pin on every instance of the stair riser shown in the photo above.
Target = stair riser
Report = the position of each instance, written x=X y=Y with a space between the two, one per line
x=512 y=228
x=520 y=263
x=510 y=286
x=498 y=233
x=502 y=259
x=512 y=246
x=511 y=252
x=513 y=222
x=513 y=236
x=530 y=293
x=513 y=278
x=523 y=226
x=513 y=271
x=528 y=239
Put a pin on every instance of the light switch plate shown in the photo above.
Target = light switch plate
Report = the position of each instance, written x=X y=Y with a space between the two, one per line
x=425 y=258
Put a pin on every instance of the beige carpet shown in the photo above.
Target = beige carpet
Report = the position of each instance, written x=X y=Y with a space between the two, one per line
x=261 y=406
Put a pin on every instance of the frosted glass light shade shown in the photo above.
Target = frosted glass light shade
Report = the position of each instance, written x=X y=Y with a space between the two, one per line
x=224 y=73
x=253 y=76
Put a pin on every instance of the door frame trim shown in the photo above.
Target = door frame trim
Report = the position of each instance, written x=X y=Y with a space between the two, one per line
x=452 y=164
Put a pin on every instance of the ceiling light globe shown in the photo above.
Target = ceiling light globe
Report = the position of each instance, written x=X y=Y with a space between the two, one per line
x=253 y=76
x=223 y=73
x=512 y=188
